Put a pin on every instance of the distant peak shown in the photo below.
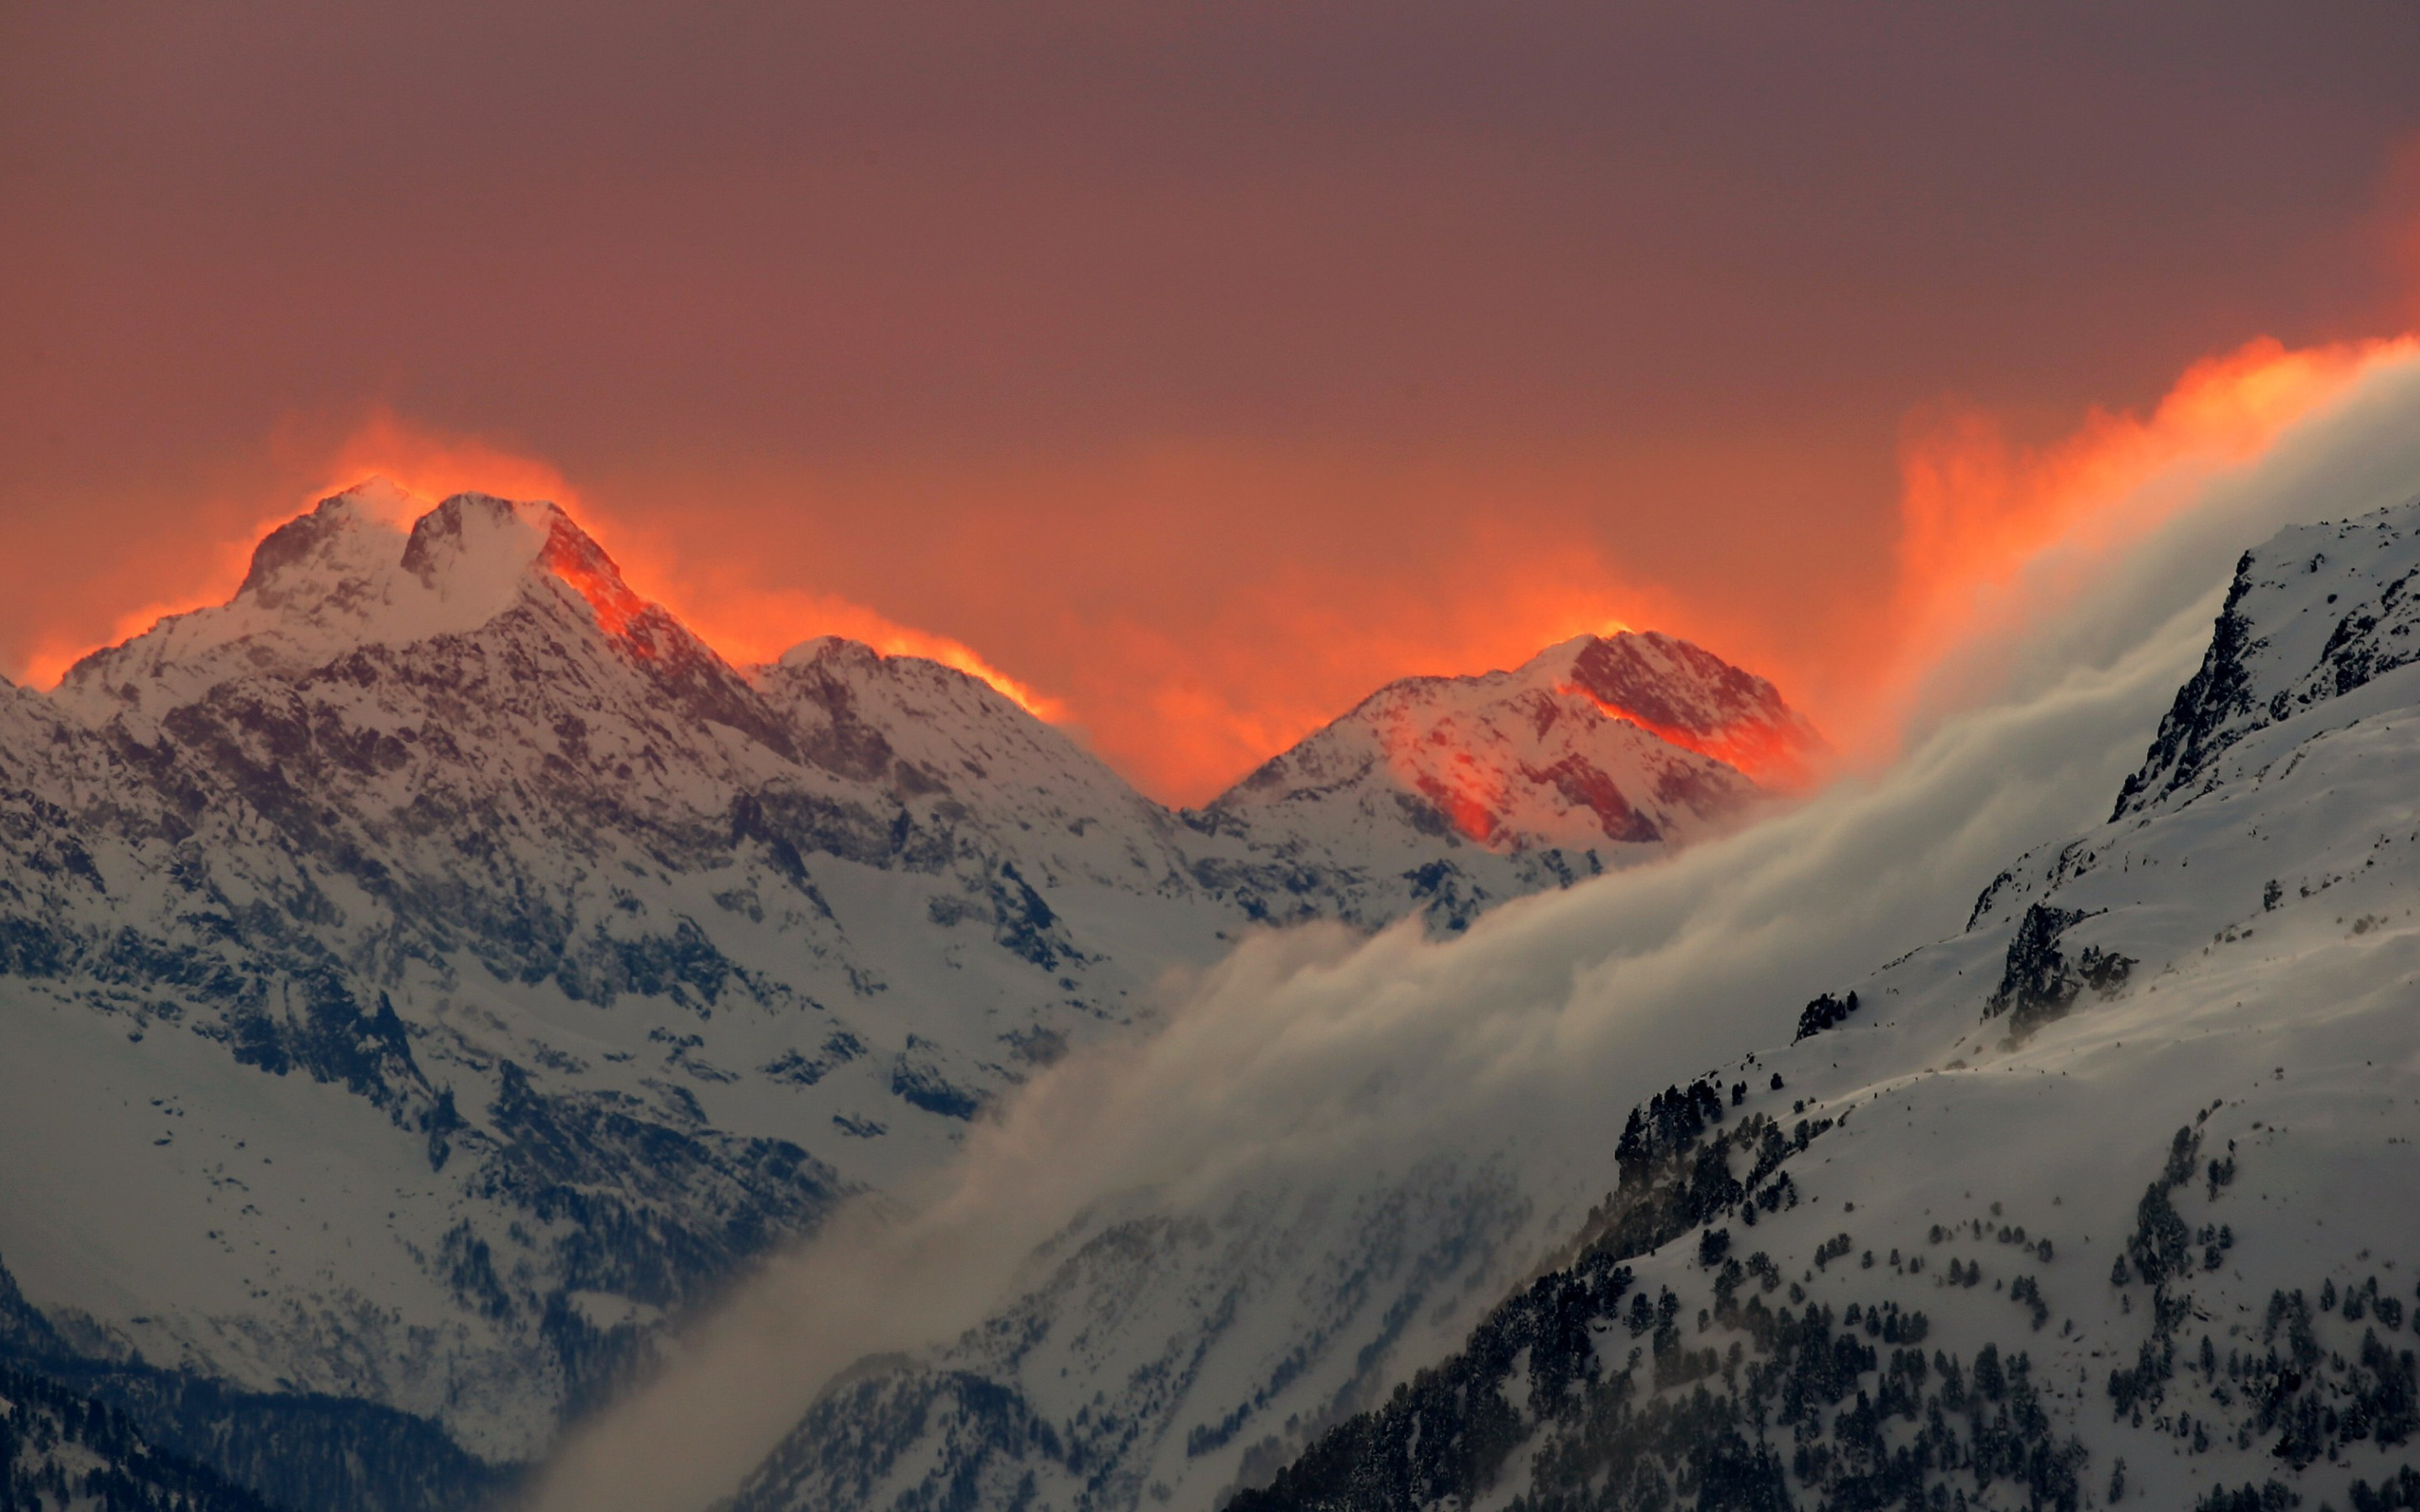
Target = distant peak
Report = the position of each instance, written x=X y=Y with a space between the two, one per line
x=346 y=536
x=1633 y=738
x=1688 y=697
x=373 y=565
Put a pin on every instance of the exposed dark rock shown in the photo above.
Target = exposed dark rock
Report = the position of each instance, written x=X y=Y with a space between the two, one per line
x=2038 y=984
x=2195 y=728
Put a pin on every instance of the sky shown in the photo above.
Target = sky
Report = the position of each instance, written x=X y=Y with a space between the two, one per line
x=1197 y=367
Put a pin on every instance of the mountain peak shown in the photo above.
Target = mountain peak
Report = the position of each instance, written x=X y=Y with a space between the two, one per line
x=1686 y=695
x=374 y=565
x=478 y=547
x=473 y=530
x=1630 y=744
x=836 y=649
x=346 y=536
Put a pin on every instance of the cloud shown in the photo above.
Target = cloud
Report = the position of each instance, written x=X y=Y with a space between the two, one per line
x=1308 y=1060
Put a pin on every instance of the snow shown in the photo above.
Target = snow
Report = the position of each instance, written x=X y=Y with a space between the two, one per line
x=1566 y=767
x=1338 y=1154
x=1212 y=1199
x=803 y=926
x=346 y=575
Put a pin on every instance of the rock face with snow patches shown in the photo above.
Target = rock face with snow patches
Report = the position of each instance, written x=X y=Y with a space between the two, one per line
x=429 y=972
x=2313 y=615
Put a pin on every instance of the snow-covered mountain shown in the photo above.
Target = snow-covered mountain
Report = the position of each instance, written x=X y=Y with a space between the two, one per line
x=430 y=972
x=1590 y=755
x=2095 y=1202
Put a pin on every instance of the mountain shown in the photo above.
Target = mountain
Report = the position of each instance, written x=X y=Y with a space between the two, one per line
x=2234 y=1303
x=593 y=938
x=2092 y=1203
x=58 y=1448
x=433 y=971
x=1592 y=755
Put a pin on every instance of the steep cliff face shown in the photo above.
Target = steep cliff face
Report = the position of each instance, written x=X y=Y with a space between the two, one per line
x=2314 y=614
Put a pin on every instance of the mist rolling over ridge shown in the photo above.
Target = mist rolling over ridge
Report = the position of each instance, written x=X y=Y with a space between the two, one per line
x=1075 y=757
x=1310 y=1073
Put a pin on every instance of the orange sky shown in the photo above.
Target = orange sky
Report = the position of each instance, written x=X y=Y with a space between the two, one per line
x=1200 y=368
x=1186 y=719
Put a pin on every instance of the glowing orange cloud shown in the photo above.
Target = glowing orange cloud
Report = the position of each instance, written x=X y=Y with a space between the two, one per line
x=1980 y=517
x=745 y=626
x=755 y=626
x=436 y=467
x=53 y=652
x=1979 y=514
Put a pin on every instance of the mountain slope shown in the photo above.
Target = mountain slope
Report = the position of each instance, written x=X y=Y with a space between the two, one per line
x=2154 y=1104
x=428 y=973
x=57 y=1449
x=582 y=931
x=1957 y=1226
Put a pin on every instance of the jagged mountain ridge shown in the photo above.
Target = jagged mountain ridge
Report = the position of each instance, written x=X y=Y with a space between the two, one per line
x=1961 y=1238
x=2271 y=656
x=567 y=806
x=466 y=968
